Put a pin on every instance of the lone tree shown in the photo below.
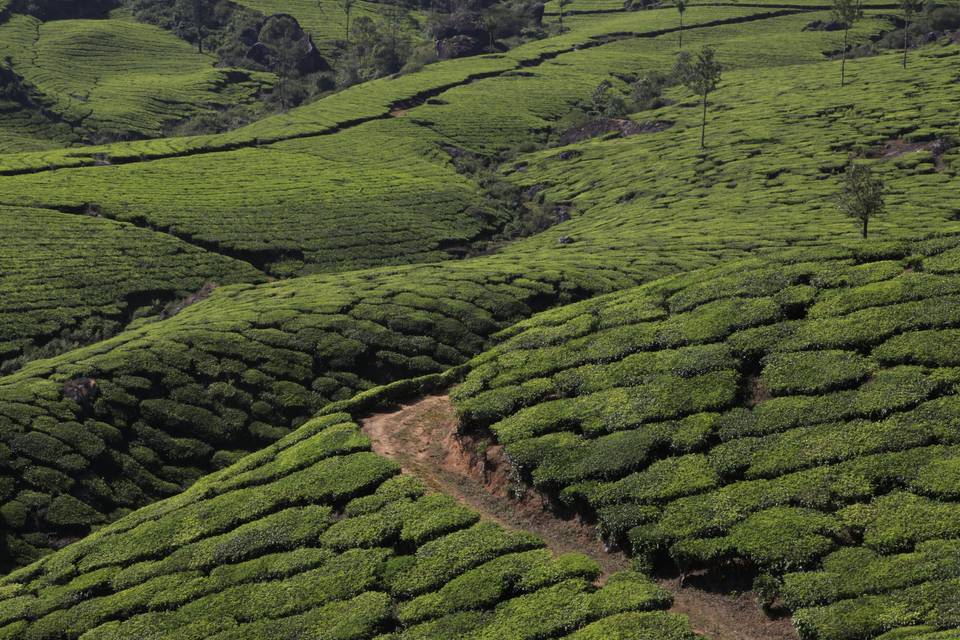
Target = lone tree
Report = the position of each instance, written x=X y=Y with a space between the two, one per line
x=700 y=76
x=563 y=4
x=846 y=12
x=195 y=13
x=861 y=196
x=909 y=8
x=347 y=6
x=285 y=43
x=681 y=9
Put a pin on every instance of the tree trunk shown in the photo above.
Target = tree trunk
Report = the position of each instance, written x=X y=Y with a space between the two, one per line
x=906 y=29
x=864 y=230
x=198 y=22
x=703 y=123
x=843 y=57
x=681 y=32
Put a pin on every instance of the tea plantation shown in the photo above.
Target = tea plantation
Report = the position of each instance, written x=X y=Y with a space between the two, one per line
x=317 y=537
x=142 y=415
x=70 y=274
x=84 y=72
x=683 y=351
x=796 y=413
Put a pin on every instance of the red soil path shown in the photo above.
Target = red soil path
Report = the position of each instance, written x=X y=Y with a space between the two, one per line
x=422 y=437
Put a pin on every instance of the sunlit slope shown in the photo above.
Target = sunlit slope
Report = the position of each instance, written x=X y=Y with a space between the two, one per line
x=799 y=414
x=375 y=99
x=531 y=102
x=143 y=415
x=78 y=274
x=317 y=537
x=118 y=77
x=777 y=139
x=381 y=193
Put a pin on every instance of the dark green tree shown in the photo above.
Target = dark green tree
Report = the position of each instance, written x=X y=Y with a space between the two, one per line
x=681 y=9
x=846 y=12
x=861 y=196
x=285 y=41
x=194 y=15
x=909 y=9
x=701 y=77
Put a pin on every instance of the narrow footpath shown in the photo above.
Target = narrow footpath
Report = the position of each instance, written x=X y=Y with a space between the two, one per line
x=422 y=437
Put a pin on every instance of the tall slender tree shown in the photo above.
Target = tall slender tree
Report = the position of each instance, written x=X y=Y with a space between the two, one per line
x=347 y=6
x=909 y=8
x=563 y=4
x=846 y=12
x=701 y=77
x=681 y=9
x=194 y=16
x=861 y=196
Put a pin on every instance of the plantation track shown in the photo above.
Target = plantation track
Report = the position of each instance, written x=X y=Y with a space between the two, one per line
x=422 y=435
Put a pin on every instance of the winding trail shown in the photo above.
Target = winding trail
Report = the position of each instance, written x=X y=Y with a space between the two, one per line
x=422 y=436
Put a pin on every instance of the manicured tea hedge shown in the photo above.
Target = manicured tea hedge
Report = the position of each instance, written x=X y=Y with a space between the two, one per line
x=315 y=536
x=143 y=415
x=717 y=416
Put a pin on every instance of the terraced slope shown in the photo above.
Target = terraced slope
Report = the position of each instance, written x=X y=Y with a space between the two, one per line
x=796 y=415
x=143 y=415
x=116 y=78
x=251 y=363
x=83 y=277
x=317 y=537
x=776 y=141
x=323 y=204
x=363 y=207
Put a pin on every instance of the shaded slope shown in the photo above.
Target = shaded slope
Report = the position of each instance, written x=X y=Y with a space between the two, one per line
x=797 y=415
x=142 y=415
x=79 y=278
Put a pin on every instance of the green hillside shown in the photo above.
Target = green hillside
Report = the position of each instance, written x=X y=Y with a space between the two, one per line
x=316 y=537
x=798 y=413
x=85 y=72
x=69 y=274
x=174 y=399
x=685 y=352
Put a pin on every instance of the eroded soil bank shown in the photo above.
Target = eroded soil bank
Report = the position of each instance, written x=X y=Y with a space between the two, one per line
x=422 y=437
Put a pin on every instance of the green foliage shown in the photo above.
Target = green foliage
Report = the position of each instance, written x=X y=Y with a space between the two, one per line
x=811 y=372
x=862 y=195
x=829 y=462
x=261 y=548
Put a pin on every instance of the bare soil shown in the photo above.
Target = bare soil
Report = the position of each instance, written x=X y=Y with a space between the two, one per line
x=602 y=126
x=422 y=436
x=897 y=147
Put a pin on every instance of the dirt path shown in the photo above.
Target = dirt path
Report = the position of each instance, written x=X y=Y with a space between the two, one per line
x=421 y=436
